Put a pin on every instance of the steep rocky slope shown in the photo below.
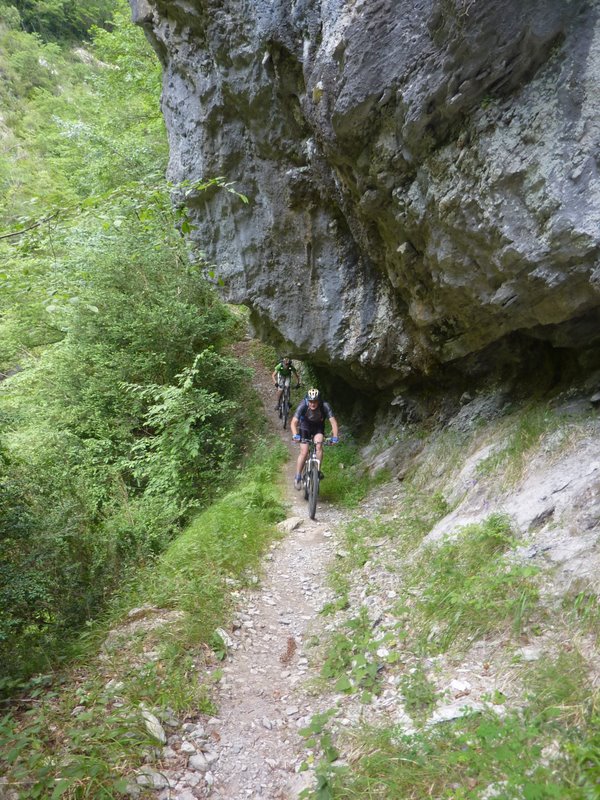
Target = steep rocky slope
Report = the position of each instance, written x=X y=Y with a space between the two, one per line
x=422 y=174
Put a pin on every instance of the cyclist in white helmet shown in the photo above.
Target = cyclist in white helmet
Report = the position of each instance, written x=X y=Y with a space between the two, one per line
x=308 y=422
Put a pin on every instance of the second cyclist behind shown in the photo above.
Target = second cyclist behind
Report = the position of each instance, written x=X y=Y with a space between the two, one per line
x=307 y=423
x=283 y=370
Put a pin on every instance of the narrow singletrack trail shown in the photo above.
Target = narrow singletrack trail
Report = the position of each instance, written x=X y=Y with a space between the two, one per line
x=263 y=699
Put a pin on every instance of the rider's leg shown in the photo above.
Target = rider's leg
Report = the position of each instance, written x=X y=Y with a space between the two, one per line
x=301 y=457
x=318 y=437
x=299 y=465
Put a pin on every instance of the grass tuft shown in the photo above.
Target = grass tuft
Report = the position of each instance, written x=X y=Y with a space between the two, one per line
x=347 y=481
x=466 y=587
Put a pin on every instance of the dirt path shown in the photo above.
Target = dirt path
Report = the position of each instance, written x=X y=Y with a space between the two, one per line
x=263 y=702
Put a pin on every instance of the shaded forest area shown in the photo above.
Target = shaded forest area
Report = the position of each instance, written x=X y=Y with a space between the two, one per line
x=120 y=405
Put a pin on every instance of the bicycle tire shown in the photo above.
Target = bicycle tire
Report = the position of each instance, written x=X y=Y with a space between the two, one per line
x=305 y=482
x=285 y=412
x=313 y=492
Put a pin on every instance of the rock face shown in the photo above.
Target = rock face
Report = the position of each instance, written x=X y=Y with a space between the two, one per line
x=422 y=174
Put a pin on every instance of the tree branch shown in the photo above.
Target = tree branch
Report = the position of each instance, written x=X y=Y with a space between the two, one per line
x=30 y=227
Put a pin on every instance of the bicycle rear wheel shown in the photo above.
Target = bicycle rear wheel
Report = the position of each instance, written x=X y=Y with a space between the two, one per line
x=313 y=491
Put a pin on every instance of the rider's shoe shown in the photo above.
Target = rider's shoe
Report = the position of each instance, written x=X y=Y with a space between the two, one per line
x=297 y=482
x=276 y=407
x=321 y=476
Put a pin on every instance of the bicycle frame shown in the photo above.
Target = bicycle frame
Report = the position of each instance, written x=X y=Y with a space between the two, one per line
x=311 y=475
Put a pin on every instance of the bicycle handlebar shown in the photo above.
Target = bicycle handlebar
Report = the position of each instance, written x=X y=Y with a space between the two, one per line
x=327 y=440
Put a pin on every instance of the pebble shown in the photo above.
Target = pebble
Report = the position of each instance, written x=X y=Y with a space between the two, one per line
x=198 y=762
x=152 y=778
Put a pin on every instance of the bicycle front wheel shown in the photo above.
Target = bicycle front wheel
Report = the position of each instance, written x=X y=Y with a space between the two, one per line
x=285 y=411
x=313 y=491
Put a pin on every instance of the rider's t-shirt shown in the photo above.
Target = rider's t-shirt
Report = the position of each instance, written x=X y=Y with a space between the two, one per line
x=285 y=372
x=311 y=417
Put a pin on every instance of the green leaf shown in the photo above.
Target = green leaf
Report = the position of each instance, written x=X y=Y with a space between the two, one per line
x=62 y=786
x=343 y=684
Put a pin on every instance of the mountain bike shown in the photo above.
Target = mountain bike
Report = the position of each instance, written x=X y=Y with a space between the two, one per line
x=311 y=476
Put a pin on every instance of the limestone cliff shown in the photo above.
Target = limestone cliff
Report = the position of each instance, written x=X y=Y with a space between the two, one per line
x=422 y=174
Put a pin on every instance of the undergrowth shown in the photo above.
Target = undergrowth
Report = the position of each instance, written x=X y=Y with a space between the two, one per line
x=347 y=481
x=467 y=587
x=68 y=735
x=550 y=749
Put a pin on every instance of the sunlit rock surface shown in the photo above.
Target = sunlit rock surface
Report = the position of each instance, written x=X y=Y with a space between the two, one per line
x=422 y=175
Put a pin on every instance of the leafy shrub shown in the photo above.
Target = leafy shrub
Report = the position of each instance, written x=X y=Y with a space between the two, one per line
x=126 y=412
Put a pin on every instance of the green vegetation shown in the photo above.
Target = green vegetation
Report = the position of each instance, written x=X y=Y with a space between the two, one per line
x=186 y=593
x=550 y=750
x=465 y=587
x=418 y=693
x=352 y=659
x=224 y=541
x=347 y=482
x=127 y=412
x=417 y=513
x=449 y=595
x=582 y=607
x=57 y=19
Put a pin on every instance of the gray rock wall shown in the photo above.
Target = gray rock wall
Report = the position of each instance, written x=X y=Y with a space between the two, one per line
x=422 y=174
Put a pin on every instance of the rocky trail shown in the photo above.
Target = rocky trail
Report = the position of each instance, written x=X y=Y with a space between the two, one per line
x=253 y=748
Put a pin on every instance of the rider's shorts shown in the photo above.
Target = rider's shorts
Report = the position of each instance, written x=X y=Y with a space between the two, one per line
x=309 y=429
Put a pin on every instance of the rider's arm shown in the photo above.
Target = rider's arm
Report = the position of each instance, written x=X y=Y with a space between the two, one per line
x=295 y=421
x=334 y=426
x=274 y=377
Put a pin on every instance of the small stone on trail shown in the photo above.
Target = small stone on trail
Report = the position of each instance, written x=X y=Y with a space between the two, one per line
x=455 y=711
x=290 y=524
x=530 y=653
x=152 y=778
x=154 y=728
x=198 y=762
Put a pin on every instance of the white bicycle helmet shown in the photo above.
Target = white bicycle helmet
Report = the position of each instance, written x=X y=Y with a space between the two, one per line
x=313 y=394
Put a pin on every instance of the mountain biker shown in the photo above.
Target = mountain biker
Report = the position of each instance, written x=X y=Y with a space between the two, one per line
x=308 y=422
x=283 y=370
